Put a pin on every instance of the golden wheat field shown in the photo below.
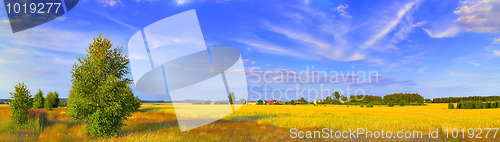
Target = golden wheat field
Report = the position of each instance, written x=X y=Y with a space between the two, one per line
x=157 y=122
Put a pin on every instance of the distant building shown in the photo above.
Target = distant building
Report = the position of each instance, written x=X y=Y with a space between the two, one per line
x=271 y=102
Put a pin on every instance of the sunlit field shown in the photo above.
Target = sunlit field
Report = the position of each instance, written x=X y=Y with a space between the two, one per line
x=157 y=122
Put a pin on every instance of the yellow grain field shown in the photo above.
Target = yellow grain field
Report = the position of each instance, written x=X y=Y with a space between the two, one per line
x=157 y=122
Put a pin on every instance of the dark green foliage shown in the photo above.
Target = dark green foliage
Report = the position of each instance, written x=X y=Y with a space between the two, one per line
x=302 y=101
x=292 y=102
x=50 y=101
x=38 y=100
x=451 y=106
x=336 y=102
x=328 y=100
x=336 y=95
x=391 y=104
x=242 y=101
x=471 y=98
x=19 y=104
x=420 y=102
x=101 y=94
x=428 y=101
x=62 y=104
x=361 y=105
x=498 y=104
x=260 y=102
x=407 y=97
x=402 y=103
x=476 y=105
x=55 y=99
x=343 y=98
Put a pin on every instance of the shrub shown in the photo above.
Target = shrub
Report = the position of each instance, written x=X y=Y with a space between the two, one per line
x=451 y=106
x=370 y=105
x=391 y=104
x=498 y=104
x=361 y=105
x=336 y=102
x=19 y=104
x=402 y=103
x=196 y=103
x=260 y=102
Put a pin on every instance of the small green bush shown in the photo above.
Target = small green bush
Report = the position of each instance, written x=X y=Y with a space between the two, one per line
x=19 y=104
x=402 y=103
x=38 y=100
x=391 y=104
x=451 y=106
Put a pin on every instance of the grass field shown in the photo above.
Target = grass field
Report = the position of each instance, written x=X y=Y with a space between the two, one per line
x=157 y=122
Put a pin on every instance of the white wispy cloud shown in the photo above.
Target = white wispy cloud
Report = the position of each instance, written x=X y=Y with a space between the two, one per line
x=342 y=10
x=270 y=48
x=479 y=16
x=496 y=41
x=451 y=31
x=328 y=36
x=110 y=3
x=391 y=25
x=182 y=2
x=497 y=52
x=419 y=24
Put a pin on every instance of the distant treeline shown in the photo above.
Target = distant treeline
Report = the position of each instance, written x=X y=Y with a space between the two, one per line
x=475 y=105
x=471 y=98
x=407 y=97
x=401 y=99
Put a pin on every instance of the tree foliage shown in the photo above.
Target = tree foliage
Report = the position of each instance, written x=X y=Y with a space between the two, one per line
x=242 y=101
x=52 y=100
x=477 y=105
x=407 y=97
x=231 y=98
x=336 y=95
x=328 y=100
x=451 y=106
x=470 y=98
x=260 y=102
x=38 y=100
x=391 y=104
x=19 y=104
x=100 y=93
x=302 y=101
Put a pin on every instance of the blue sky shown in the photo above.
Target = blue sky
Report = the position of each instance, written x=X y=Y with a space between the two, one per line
x=435 y=48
